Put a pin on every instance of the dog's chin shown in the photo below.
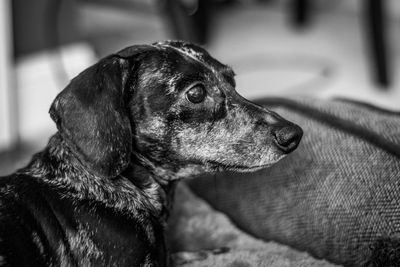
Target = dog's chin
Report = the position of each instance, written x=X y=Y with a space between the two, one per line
x=243 y=168
x=236 y=167
x=211 y=166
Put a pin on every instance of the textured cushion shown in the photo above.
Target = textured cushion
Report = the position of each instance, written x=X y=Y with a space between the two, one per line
x=336 y=196
x=194 y=226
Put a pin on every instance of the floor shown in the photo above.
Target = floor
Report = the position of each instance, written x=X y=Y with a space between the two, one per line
x=270 y=57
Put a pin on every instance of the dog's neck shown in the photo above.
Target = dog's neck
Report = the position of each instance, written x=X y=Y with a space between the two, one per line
x=167 y=174
x=142 y=177
x=136 y=191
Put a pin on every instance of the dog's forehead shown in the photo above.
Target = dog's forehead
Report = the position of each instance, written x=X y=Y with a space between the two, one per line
x=196 y=53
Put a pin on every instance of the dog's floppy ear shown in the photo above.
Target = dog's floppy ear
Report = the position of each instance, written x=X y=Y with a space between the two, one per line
x=92 y=116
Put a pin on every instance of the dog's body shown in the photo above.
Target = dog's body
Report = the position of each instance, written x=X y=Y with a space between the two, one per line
x=46 y=219
x=129 y=127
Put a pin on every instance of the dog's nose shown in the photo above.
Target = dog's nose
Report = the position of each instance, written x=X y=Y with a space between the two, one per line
x=288 y=137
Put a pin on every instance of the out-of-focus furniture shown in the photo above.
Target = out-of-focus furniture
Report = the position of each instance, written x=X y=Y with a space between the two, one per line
x=41 y=25
x=300 y=12
x=375 y=31
x=189 y=20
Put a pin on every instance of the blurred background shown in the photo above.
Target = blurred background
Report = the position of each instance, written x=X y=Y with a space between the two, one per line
x=321 y=48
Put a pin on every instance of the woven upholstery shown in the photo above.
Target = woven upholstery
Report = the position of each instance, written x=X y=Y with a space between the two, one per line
x=336 y=196
x=194 y=226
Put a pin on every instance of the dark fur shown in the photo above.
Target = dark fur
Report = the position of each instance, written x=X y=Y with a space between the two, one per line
x=385 y=253
x=99 y=193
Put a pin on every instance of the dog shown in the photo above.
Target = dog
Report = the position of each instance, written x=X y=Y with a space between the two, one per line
x=129 y=127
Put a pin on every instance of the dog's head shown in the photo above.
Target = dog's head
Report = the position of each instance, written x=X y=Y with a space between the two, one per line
x=171 y=106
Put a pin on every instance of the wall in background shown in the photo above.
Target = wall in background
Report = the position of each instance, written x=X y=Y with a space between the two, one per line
x=38 y=84
x=39 y=24
x=7 y=109
x=42 y=33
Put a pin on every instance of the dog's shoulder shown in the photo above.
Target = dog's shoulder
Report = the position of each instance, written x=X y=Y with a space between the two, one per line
x=27 y=214
x=21 y=238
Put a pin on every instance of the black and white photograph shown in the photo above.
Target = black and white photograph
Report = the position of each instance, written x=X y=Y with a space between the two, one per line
x=200 y=133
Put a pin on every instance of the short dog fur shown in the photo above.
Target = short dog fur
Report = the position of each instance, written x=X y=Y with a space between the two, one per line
x=129 y=127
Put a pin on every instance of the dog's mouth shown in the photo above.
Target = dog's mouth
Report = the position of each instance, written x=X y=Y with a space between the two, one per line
x=237 y=167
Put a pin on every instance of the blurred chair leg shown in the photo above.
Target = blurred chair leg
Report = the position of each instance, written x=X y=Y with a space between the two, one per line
x=189 y=25
x=300 y=10
x=375 y=29
x=202 y=20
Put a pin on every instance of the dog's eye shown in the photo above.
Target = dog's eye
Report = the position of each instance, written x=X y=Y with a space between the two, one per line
x=196 y=94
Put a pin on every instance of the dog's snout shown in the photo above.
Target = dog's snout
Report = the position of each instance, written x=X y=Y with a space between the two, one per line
x=288 y=137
